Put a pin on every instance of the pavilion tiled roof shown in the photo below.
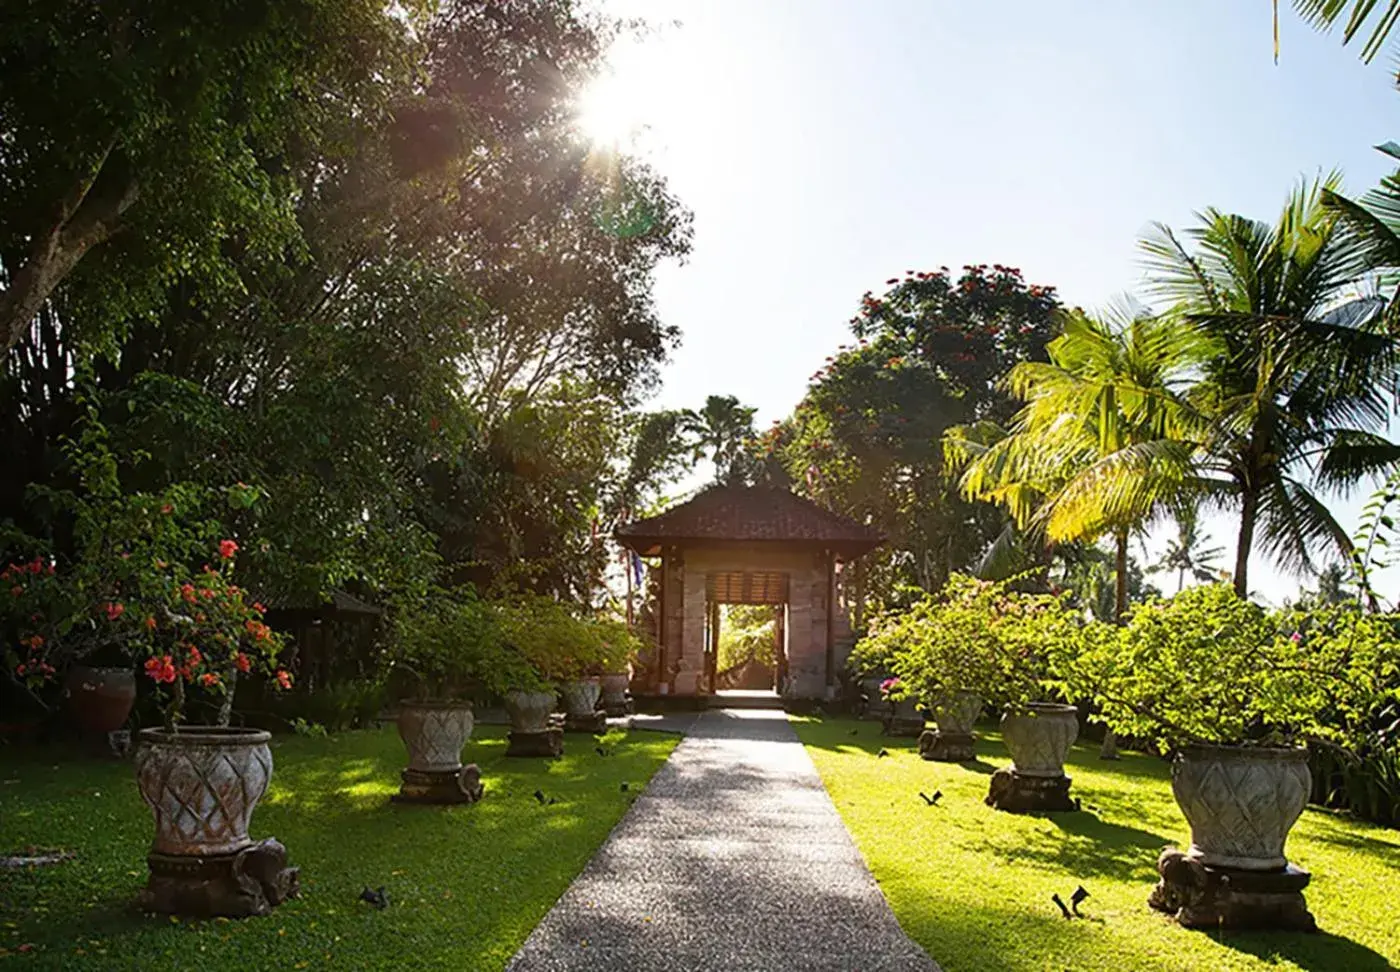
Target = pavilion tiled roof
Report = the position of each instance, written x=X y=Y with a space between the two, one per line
x=750 y=514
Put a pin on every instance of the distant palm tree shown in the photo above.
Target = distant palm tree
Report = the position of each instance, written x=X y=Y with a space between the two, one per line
x=1298 y=376
x=1101 y=445
x=723 y=430
x=1187 y=554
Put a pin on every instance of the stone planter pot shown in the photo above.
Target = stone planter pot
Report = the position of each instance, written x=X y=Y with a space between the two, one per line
x=202 y=784
x=530 y=731
x=581 y=696
x=904 y=718
x=529 y=711
x=1240 y=803
x=956 y=712
x=434 y=734
x=100 y=699
x=1039 y=738
x=615 y=693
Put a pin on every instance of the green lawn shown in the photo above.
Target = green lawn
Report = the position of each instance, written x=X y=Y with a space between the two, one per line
x=972 y=885
x=466 y=884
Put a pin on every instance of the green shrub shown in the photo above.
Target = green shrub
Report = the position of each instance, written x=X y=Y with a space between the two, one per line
x=1007 y=646
x=747 y=633
x=1209 y=667
x=455 y=646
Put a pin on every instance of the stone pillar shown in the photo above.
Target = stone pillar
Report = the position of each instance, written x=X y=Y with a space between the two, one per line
x=806 y=635
x=690 y=664
x=673 y=616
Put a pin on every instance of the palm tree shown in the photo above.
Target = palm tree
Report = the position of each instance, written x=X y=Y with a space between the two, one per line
x=1187 y=554
x=1323 y=14
x=1297 y=376
x=723 y=430
x=1100 y=445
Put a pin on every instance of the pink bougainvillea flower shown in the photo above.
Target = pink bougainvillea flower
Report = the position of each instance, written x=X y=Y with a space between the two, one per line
x=1297 y=637
x=114 y=609
x=187 y=592
x=195 y=656
x=227 y=548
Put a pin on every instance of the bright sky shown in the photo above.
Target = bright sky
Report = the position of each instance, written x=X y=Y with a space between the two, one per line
x=827 y=145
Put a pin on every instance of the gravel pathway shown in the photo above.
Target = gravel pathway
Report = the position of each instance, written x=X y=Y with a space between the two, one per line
x=734 y=859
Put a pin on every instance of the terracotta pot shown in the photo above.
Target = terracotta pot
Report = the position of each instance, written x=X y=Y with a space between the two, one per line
x=956 y=712
x=100 y=699
x=581 y=695
x=1039 y=737
x=529 y=711
x=1241 y=802
x=615 y=689
x=434 y=734
x=202 y=784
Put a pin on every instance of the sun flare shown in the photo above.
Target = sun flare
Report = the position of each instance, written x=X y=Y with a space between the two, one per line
x=608 y=113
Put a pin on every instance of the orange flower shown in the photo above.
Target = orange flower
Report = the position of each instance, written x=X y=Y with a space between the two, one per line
x=160 y=668
x=208 y=678
x=284 y=679
x=150 y=623
x=242 y=662
x=114 y=610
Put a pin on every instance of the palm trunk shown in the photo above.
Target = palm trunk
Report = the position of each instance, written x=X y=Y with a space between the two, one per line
x=1249 y=512
x=1109 y=749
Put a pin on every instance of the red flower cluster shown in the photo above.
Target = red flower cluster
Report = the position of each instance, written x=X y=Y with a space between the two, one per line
x=161 y=669
x=284 y=678
x=227 y=548
x=113 y=610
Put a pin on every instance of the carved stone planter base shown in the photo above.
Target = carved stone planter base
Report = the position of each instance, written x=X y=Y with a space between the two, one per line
x=897 y=726
x=1200 y=896
x=1015 y=793
x=549 y=743
x=947 y=747
x=251 y=882
x=593 y=722
x=616 y=711
x=440 y=786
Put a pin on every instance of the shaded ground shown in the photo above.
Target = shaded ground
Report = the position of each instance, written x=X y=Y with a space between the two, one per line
x=973 y=885
x=466 y=884
x=734 y=859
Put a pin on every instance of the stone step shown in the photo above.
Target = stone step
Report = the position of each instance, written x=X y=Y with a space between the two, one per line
x=740 y=699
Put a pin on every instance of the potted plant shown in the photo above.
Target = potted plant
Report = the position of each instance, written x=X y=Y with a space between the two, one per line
x=939 y=649
x=617 y=646
x=203 y=782
x=1233 y=692
x=537 y=631
x=872 y=662
x=449 y=644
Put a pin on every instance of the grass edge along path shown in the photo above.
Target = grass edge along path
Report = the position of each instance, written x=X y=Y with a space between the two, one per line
x=973 y=885
x=466 y=884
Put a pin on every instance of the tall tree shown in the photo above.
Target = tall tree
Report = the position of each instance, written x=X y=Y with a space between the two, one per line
x=723 y=431
x=167 y=126
x=1102 y=443
x=1298 y=376
x=929 y=354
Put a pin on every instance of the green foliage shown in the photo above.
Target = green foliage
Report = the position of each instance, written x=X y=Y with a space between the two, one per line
x=865 y=440
x=722 y=431
x=747 y=632
x=1005 y=645
x=452 y=644
x=1209 y=667
x=329 y=803
x=560 y=642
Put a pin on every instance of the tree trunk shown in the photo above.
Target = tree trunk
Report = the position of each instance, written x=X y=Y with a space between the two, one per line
x=1109 y=749
x=84 y=218
x=226 y=705
x=1249 y=512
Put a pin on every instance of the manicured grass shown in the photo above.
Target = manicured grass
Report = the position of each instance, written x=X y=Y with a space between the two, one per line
x=972 y=885
x=466 y=884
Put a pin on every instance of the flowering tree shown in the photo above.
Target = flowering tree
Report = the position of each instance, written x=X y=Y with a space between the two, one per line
x=929 y=355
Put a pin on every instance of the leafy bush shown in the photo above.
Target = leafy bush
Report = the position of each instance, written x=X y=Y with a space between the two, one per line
x=979 y=636
x=747 y=634
x=1209 y=667
x=455 y=646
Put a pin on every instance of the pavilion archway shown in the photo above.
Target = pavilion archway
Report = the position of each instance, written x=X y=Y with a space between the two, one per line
x=749 y=544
